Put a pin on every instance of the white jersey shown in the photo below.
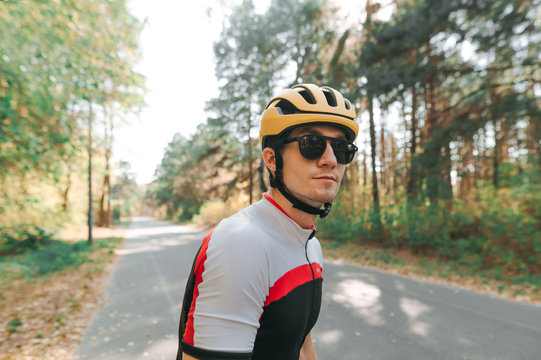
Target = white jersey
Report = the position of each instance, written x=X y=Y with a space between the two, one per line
x=255 y=288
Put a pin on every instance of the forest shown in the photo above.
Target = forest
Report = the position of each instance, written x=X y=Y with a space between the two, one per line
x=64 y=86
x=447 y=96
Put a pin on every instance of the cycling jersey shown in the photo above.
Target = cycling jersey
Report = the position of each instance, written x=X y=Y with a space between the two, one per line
x=254 y=291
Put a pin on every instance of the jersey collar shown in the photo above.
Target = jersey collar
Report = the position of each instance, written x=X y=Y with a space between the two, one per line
x=271 y=200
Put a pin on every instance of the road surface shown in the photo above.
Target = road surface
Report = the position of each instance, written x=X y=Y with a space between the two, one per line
x=365 y=314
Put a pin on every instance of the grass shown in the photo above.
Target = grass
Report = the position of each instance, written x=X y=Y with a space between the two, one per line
x=56 y=256
x=48 y=294
x=524 y=287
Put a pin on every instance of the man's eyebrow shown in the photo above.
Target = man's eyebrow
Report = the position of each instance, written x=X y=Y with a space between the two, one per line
x=307 y=130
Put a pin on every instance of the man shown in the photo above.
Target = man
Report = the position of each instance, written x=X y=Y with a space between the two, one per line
x=255 y=287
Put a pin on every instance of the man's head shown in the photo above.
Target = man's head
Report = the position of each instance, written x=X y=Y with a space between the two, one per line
x=306 y=135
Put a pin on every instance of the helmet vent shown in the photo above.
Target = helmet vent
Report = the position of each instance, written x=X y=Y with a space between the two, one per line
x=331 y=100
x=286 y=107
x=348 y=104
x=307 y=96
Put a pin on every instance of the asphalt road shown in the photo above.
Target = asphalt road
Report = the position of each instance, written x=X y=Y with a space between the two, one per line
x=366 y=314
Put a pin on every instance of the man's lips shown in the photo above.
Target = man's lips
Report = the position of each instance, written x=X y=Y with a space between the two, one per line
x=325 y=177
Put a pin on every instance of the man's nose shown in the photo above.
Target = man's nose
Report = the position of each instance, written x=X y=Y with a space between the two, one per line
x=328 y=158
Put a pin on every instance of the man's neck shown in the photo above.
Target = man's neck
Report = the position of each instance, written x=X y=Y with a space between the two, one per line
x=304 y=220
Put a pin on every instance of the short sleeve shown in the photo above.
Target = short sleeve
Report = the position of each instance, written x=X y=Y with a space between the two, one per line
x=231 y=284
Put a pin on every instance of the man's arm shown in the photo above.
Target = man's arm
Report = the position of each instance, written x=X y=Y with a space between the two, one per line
x=308 y=352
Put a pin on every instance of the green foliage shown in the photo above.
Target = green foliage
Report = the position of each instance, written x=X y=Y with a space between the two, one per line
x=410 y=55
x=498 y=235
x=58 y=61
x=116 y=214
x=58 y=255
x=14 y=325
x=23 y=238
x=125 y=193
x=53 y=257
x=348 y=222
x=190 y=173
x=56 y=55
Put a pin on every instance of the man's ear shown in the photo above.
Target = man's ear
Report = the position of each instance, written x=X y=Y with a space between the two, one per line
x=270 y=158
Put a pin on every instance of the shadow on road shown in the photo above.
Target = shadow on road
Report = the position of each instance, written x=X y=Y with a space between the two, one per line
x=367 y=314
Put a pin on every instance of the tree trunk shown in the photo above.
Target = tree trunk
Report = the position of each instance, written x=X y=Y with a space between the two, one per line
x=109 y=222
x=464 y=171
x=533 y=134
x=365 y=169
x=393 y=166
x=382 y=160
x=65 y=193
x=478 y=158
x=432 y=149
x=104 y=212
x=487 y=161
x=496 y=155
x=447 y=168
x=373 y=151
x=250 y=171
x=413 y=177
x=90 y=220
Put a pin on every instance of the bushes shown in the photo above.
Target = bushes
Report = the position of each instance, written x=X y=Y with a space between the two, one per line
x=55 y=256
x=22 y=238
x=499 y=232
x=344 y=224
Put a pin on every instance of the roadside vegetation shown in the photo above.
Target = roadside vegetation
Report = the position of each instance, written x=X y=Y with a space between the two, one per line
x=49 y=288
x=495 y=240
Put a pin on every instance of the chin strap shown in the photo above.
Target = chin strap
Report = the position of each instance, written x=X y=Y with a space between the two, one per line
x=277 y=182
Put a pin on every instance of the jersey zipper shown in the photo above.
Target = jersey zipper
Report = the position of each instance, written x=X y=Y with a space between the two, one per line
x=306 y=253
x=313 y=278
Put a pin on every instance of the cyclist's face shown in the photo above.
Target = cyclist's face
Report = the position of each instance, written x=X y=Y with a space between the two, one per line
x=312 y=181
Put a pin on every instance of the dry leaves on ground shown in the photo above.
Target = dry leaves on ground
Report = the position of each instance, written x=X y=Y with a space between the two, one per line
x=45 y=319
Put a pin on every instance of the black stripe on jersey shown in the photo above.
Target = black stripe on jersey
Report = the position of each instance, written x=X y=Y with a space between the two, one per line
x=186 y=303
x=203 y=354
x=286 y=322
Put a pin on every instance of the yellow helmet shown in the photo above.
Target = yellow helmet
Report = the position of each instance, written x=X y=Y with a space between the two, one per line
x=307 y=104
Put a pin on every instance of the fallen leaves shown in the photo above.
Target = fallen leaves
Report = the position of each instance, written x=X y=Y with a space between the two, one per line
x=45 y=318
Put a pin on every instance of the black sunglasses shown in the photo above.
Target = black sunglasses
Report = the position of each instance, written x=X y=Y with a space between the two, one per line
x=313 y=147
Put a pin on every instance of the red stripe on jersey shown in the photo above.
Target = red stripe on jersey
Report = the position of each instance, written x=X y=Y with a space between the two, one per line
x=282 y=210
x=292 y=280
x=276 y=204
x=198 y=271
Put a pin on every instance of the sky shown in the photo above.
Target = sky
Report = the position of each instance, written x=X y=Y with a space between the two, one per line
x=177 y=61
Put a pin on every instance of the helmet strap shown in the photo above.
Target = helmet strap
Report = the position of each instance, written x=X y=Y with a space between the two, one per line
x=278 y=182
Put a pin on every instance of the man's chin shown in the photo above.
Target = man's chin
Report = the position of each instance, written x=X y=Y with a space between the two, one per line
x=324 y=198
x=317 y=198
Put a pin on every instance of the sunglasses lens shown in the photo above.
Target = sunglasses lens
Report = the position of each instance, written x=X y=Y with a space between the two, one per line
x=343 y=150
x=312 y=147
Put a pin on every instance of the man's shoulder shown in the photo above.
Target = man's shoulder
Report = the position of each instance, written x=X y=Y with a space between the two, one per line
x=239 y=227
x=253 y=218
